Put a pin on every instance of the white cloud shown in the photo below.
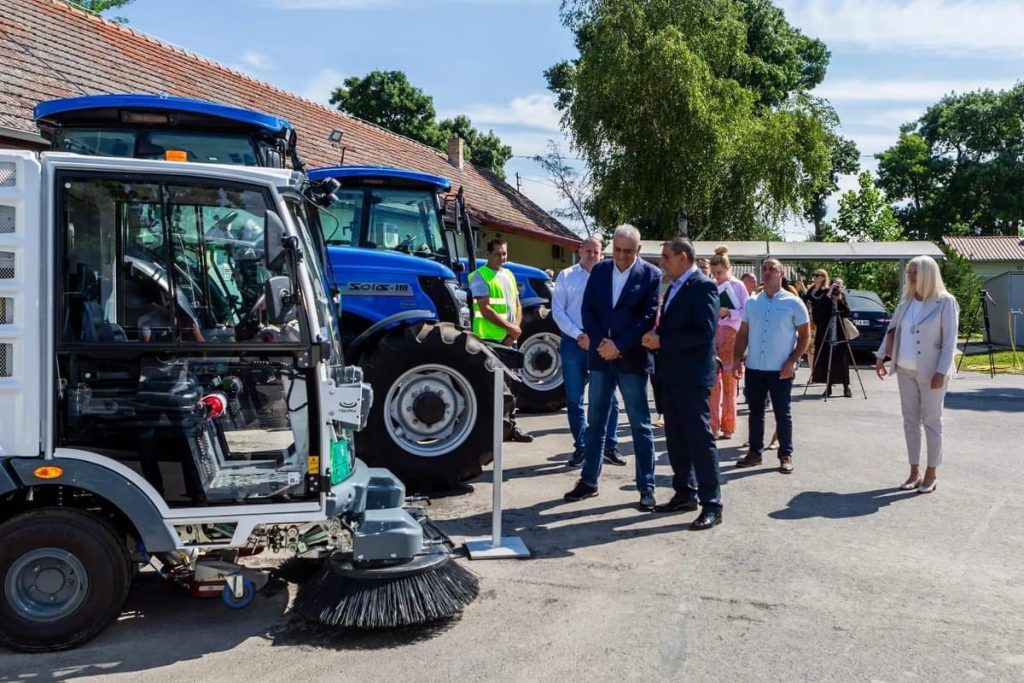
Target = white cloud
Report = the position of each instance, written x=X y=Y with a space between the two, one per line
x=883 y=118
x=869 y=144
x=536 y=110
x=984 y=27
x=319 y=87
x=256 y=60
x=872 y=90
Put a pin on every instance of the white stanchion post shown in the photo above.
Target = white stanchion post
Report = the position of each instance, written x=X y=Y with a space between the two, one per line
x=495 y=546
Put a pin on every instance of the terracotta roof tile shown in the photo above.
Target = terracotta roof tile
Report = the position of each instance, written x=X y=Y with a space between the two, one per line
x=987 y=248
x=49 y=49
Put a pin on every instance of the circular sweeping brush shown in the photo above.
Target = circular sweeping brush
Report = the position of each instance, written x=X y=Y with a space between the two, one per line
x=429 y=587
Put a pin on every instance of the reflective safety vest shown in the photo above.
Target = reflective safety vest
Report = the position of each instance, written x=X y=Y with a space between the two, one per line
x=482 y=327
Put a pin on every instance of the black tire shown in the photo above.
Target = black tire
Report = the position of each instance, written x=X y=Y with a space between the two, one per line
x=422 y=464
x=543 y=390
x=69 y=539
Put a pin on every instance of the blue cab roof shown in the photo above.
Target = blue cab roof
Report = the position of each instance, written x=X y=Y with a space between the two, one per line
x=343 y=172
x=273 y=124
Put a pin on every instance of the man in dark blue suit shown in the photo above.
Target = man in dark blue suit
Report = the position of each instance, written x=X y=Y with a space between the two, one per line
x=619 y=306
x=685 y=347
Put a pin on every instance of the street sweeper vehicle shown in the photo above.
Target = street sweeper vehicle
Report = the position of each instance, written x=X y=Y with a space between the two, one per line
x=173 y=394
x=404 y=314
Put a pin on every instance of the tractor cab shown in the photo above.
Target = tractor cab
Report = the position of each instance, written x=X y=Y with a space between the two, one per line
x=167 y=128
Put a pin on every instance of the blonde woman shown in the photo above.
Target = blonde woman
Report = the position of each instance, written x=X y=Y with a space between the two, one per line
x=723 y=393
x=921 y=340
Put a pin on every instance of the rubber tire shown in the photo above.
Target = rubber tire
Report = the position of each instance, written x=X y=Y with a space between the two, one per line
x=535 y=321
x=248 y=595
x=101 y=550
x=439 y=343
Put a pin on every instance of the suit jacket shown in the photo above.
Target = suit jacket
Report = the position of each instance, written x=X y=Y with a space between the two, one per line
x=687 y=334
x=936 y=336
x=626 y=322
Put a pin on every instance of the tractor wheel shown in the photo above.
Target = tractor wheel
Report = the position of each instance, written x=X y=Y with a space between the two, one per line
x=543 y=390
x=432 y=420
x=64 y=576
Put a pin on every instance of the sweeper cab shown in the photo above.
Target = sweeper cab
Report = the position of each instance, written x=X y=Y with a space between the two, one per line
x=172 y=394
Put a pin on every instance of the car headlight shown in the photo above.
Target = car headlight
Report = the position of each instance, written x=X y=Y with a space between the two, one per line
x=459 y=294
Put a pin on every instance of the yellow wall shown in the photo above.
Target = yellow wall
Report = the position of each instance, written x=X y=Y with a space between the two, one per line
x=528 y=251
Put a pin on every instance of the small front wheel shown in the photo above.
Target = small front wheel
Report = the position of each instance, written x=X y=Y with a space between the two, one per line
x=248 y=593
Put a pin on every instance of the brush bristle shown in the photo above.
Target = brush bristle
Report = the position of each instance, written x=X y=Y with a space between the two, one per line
x=298 y=569
x=362 y=603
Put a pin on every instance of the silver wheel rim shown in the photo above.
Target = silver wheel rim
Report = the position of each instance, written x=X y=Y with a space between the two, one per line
x=454 y=426
x=535 y=346
x=46 y=584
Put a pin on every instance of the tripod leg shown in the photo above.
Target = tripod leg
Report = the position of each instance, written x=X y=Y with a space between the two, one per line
x=831 y=348
x=853 y=364
x=970 y=333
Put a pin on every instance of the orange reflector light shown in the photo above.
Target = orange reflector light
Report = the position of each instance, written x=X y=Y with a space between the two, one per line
x=313 y=464
x=176 y=155
x=48 y=472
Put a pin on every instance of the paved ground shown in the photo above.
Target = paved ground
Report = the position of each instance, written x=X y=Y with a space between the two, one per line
x=828 y=574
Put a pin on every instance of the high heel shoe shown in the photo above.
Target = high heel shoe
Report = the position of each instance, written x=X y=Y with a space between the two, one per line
x=910 y=485
x=927 y=489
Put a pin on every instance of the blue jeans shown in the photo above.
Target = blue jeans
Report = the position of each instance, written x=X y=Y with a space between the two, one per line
x=574 y=374
x=758 y=386
x=633 y=386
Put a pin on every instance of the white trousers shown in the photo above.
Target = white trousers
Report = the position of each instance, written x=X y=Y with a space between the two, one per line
x=922 y=407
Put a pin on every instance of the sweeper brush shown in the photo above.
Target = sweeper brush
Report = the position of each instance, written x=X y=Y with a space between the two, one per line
x=429 y=587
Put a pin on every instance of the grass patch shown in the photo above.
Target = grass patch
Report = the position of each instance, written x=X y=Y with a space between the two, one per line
x=1004 y=362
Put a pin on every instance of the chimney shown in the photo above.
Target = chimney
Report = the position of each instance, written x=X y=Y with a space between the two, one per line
x=455 y=147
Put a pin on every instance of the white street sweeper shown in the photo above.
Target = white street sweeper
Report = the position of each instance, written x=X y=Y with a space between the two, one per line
x=172 y=394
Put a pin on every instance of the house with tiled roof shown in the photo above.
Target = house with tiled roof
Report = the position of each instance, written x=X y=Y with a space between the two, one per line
x=989 y=256
x=50 y=49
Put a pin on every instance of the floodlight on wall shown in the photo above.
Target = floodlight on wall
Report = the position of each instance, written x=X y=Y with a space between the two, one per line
x=335 y=136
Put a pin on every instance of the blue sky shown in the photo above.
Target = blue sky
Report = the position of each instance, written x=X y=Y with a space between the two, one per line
x=486 y=58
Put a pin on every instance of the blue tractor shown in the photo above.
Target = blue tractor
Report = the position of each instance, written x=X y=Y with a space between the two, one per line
x=404 y=312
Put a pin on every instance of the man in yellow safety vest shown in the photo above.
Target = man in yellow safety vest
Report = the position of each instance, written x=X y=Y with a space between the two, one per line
x=497 y=315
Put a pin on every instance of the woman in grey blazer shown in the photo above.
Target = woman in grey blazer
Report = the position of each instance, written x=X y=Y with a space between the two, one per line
x=921 y=340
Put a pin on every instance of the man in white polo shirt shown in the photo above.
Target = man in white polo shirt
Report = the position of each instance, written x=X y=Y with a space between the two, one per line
x=774 y=334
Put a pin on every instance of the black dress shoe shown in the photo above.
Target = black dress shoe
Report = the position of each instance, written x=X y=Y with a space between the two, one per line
x=580 y=492
x=612 y=457
x=577 y=458
x=519 y=436
x=707 y=519
x=847 y=392
x=680 y=502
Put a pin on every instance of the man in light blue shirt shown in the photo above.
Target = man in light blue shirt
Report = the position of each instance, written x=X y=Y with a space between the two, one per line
x=774 y=334
x=566 y=305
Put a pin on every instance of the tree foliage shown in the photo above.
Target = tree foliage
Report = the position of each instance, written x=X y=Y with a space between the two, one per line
x=694 y=108
x=865 y=215
x=844 y=159
x=572 y=185
x=959 y=169
x=100 y=6
x=388 y=99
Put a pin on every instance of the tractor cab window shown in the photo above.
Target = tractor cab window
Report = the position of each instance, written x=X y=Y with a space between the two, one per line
x=341 y=221
x=170 y=359
x=392 y=219
x=210 y=148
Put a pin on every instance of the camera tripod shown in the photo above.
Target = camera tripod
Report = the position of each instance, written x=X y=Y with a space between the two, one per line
x=833 y=339
x=983 y=299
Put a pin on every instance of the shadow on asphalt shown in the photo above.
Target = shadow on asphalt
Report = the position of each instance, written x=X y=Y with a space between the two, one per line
x=829 y=505
x=988 y=399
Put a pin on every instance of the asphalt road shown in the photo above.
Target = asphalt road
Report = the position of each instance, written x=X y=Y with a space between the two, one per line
x=826 y=574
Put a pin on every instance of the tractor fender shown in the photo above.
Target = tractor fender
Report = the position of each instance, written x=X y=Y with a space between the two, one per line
x=7 y=482
x=404 y=316
x=110 y=485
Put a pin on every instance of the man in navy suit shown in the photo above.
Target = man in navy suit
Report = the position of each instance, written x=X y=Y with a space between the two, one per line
x=619 y=306
x=685 y=346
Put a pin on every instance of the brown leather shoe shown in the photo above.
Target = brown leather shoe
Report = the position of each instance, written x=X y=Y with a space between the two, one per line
x=751 y=459
x=786 y=464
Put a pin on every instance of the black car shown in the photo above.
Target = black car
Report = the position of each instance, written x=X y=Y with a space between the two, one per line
x=870 y=316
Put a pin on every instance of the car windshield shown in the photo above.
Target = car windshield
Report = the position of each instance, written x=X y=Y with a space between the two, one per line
x=210 y=148
x=864 y=302
x=404 y=220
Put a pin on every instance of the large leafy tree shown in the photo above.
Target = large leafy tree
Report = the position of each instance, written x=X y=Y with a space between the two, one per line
x=960 y=167
x=694 y=109
x=844 y=159
x=388 y=99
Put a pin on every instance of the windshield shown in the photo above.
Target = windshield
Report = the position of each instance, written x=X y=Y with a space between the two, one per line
x=311 y=260
x=210 y=148
x=403 y=220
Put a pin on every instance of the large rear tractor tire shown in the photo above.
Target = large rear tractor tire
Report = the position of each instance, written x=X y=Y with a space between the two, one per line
x=64 y=576
x=543 y=389
x=432 y=420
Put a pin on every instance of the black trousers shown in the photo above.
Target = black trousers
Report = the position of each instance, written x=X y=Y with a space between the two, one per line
x=691 y=445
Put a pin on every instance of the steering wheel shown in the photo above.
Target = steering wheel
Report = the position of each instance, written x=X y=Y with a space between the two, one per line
x=224 y=222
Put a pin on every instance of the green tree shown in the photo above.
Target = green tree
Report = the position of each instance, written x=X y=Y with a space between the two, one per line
x=388 y=99
x=844 y=159
x=100 y=6
x=960 y=280
x=959 y=166
x=694 y=109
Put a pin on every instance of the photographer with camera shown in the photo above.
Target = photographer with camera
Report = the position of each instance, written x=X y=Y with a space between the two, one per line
x=826 y=302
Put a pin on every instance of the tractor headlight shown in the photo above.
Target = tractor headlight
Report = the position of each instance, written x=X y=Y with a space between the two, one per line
x=459 y=294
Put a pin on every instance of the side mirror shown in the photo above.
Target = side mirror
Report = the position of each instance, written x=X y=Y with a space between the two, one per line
x=277 y=293
x=273 y=241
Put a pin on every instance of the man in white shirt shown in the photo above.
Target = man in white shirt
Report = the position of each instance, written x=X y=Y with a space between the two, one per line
x=566 y=306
